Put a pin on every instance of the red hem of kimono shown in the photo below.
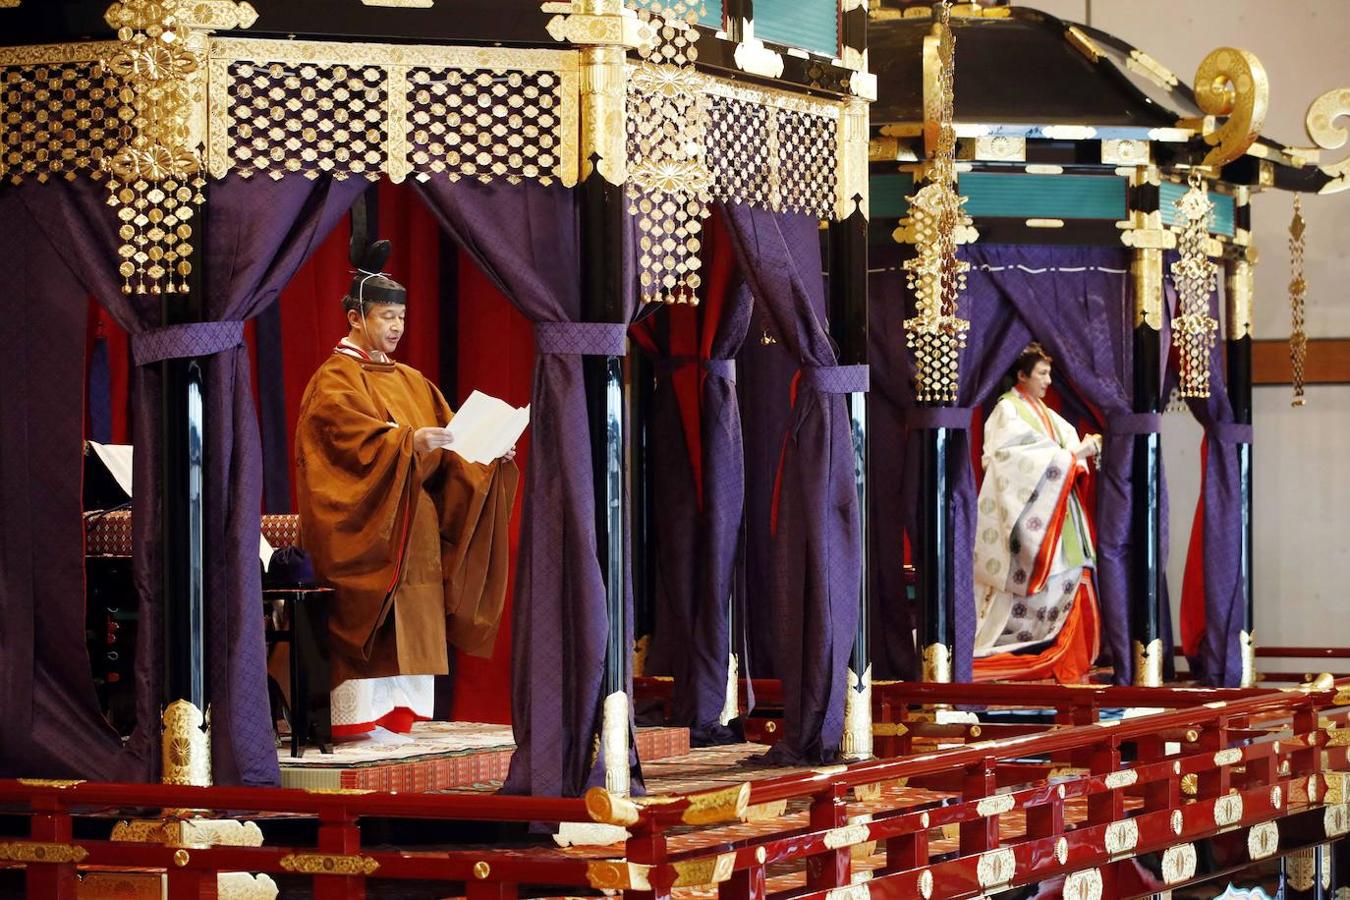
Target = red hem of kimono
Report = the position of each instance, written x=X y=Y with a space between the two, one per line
x=399 y=720
x=1067 y=660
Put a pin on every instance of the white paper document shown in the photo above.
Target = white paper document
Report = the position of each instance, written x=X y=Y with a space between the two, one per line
x=485 y=427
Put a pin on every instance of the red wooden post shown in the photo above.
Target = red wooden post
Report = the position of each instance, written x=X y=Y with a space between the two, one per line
x=745 y=884
x=50 y=824
x=832 y=868
x=647 y=846
x=191 y=884
x=1106 y=806
x=981 y=834
x=339 y=834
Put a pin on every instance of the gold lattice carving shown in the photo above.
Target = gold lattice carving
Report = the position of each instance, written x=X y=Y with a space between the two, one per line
x=936 y=223
x=58 y=115
x=1298 y=289
x=773 y=150
x=372 y=110
x=155 y=176
x=1194 y=328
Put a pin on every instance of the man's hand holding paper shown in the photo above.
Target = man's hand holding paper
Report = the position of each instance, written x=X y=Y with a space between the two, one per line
x=486 y=428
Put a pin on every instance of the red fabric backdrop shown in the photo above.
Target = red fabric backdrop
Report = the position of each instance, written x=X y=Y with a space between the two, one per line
x=494 y=353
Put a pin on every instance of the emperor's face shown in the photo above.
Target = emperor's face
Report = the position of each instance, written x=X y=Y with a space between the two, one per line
x=382 y=327
x=1038 y=382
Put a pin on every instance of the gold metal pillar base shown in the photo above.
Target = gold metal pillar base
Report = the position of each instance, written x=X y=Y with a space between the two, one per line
x=857 y=744
x=1249 y=676
x=937 y=664
x=185 y=745
x=1148 y=663
x=614 y=740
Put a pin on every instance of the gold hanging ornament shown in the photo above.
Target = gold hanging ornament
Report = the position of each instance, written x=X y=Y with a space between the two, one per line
x=1298 y=288
x=936 y=223
x=669 y=181
x=1194 y=329
x=155 y=182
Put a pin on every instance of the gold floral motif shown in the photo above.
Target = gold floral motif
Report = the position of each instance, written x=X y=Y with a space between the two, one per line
x=852 y=144
x=1232 y=83
x=937 y=666
x=1239 y=288
x=610 y=875
x=1300 y=869
x=850 y=892
x=223 y=15
x=996 y=868
x=58 y=783
x=993 y=806
x=1148 y=664
x=1178 y=863
x=1121 y=779
x=705 y=870
x=155 y=176
x=846 y=835
x=1336 y=820
x=1327 y=135
x=1228 y=757
x=857 y=743
x=1263 y=840
x=1228 y=810
x=1062 y=851
x=714 y=807
x=41 y=852
x=1121 y=837
x=766 y=812
x=614 y=734
x=178 y=832
x=1178 y=822
x=328 y=864
x=926 y=884
x=185 y=745
x=1083 y=885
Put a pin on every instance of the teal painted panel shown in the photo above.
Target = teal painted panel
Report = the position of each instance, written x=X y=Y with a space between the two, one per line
x=710 y=14
x=1043 y=196
x=1015 y=196
x=806 y=24
x=888 y=195
x=1224 y=207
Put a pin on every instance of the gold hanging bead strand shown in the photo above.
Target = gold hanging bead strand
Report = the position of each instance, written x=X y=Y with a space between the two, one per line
x=1194 y=329
x=669 y=182
x=935 y=222
x=1298 y=288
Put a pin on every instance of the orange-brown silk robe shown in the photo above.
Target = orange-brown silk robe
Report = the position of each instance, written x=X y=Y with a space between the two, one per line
x=415 y=544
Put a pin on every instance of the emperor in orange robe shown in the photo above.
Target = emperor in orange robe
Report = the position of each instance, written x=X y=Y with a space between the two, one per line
x=413 y=538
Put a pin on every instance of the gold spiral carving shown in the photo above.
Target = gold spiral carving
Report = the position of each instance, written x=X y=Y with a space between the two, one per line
x=1327 y=135
x=1232 y=83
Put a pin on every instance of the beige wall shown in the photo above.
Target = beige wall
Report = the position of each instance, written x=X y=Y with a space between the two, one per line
x=1302 y=518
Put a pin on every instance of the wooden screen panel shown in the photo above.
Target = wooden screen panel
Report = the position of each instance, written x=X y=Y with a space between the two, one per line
x=1328 y=362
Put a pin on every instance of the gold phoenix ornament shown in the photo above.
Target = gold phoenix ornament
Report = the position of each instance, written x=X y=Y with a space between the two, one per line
x=669 y=182
x=1194 y=328
x=1298 y=288
x=155 y=182
x=936 y=223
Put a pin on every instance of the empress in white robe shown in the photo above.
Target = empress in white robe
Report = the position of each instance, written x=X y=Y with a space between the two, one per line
x=1033 y=546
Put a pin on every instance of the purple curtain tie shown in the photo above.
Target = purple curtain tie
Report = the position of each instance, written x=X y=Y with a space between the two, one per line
x=929 y=417
x=1135 y=423
x=836 y=379
x=183 y=341
x=581 y=338
x=1231 y=433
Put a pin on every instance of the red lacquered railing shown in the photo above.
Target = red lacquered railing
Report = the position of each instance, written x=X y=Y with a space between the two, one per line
x=1245 y=764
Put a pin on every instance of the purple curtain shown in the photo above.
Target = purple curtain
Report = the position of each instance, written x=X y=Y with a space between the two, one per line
x=764 y=373
x=53 y=727
x=526 y=238
x=1219 y=663
x=697 y=550
x=817 y=546
x=258 y=232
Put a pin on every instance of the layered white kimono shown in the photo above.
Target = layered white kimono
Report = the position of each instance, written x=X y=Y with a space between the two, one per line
x=1032 y=544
